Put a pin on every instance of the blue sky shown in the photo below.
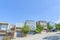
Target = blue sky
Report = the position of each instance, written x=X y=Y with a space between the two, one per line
x=14 y=11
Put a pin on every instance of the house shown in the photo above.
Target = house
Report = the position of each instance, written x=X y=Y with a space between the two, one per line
x=18 y=29
x=43 y=24
x=4 y=26
x=32 y=25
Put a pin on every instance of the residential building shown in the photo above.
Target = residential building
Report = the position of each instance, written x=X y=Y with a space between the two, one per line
x=18 y=31
x=4 y=26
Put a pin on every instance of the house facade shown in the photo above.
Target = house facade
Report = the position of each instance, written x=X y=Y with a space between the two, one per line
x=4 y=27
x=18 y=29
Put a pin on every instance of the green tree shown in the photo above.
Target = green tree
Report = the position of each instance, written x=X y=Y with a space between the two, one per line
x=49 y=26
x=58 y=26
x=39 y=28
x=25 y=29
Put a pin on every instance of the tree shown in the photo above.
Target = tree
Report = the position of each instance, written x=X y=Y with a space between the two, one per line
x=49 y=26
x=39 y=28
x=25 y=29
x=58 y=26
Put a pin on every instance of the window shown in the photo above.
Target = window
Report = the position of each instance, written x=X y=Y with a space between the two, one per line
x=4 y=27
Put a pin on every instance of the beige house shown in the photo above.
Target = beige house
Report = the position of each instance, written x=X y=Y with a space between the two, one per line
x=7 y=29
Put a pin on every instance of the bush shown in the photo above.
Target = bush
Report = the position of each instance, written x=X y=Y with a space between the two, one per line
x=58 y=26
x=49 y=26
x=25 y=29
x=39 y=28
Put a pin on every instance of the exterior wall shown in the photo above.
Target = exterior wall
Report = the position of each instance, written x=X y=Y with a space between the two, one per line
x=31 y=23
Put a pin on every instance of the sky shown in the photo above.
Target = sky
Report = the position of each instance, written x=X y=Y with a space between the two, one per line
x=14 y=11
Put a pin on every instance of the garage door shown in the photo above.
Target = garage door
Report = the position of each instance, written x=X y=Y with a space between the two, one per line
x=19 y=34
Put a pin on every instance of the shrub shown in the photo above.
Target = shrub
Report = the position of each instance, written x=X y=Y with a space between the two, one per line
x=25 y=29
x=39 y=28
x=49 y=26
x=58 y=26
